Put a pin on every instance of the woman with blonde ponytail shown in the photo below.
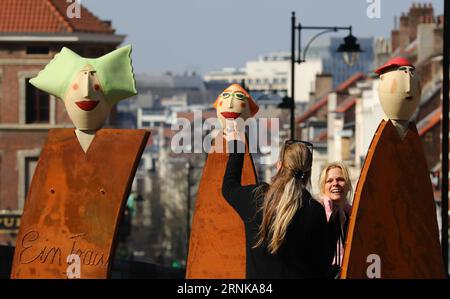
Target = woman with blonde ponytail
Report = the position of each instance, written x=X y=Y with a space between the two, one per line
x=286 y=230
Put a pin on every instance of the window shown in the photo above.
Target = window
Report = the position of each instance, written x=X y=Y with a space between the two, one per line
x=94 y=52
x=26 y=161
x=37 y=105
x=140 y=185
x=141 y=165
x=30 y=166
x=38 y=50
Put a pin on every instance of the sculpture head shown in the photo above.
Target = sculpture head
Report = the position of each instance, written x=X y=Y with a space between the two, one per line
x=399 y=89
x=88 y=87
x=234 y=102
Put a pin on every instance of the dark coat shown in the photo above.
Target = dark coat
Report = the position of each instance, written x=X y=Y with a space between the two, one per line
x=305 y=250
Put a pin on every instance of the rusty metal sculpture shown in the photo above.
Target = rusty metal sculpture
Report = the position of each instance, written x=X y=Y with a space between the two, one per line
x=393 y=231
x=78 y=192
x=217 y=242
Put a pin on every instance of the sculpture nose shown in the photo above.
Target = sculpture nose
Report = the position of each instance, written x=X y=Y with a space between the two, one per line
x=84 y=86
x=408 y=79
x=230 y=103
x=87 y=86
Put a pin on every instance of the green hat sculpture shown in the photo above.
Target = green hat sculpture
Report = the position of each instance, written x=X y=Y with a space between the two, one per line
x=114 y=71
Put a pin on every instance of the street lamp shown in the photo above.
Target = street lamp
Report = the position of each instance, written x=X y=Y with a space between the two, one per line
x=349 y=49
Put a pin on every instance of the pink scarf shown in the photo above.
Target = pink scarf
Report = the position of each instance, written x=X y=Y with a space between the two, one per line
x=329 y=208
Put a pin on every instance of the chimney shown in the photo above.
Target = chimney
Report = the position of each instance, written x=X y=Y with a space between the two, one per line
x=323 y=85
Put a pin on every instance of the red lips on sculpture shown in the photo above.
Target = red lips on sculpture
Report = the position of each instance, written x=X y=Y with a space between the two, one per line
x=87 y=105
x=232 y=115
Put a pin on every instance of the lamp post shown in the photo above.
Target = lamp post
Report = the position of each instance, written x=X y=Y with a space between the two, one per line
x=349 y=49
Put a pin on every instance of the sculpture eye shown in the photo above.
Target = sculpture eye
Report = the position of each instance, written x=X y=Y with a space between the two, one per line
x=240 y=95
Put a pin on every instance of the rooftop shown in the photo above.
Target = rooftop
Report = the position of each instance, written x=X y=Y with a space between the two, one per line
x=433 y=119
x=322 y=102
x=48 y=16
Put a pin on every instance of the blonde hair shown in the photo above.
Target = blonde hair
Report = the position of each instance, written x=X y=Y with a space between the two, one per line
x=283 y=197
x=345 y=174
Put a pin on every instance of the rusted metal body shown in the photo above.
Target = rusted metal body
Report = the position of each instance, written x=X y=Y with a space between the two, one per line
x=394 y=214
x=217 y=242
x=75 y=203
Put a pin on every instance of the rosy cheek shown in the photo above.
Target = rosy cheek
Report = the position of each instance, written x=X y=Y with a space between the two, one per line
x=394 y=87
x=243 y=105
x=97 y=87
x=75 y=86
x=220 y=104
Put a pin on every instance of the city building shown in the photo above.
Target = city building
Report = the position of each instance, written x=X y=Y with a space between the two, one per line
x=272 y=72
x=32 y=32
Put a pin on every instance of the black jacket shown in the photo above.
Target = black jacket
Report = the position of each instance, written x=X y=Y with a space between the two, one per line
x=305 y=250
x=336 y=236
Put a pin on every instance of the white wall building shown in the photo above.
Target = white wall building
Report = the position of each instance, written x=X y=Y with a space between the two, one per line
x=273 y=72
x=368 y=116
x=228 y=74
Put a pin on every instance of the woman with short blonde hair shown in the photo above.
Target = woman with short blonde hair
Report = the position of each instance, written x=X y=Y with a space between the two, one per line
x=345 y=175
x=335 y=194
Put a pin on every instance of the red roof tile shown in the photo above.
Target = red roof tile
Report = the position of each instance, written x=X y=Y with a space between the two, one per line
x=313 y=109
x=343 y=86
x=20 y=16
x=347 y=83
x=432 y=120
x=347 y=104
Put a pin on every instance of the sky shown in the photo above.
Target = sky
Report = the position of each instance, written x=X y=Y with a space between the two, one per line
x=206 y=35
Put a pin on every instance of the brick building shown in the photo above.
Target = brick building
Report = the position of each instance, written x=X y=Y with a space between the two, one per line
x=31 y=33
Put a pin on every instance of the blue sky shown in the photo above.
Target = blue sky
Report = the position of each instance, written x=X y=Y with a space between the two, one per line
x=205 y=35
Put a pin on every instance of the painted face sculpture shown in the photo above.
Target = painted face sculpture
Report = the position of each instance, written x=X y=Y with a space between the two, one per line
x=234 y=102
x=88 y=87
x=399 y=89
